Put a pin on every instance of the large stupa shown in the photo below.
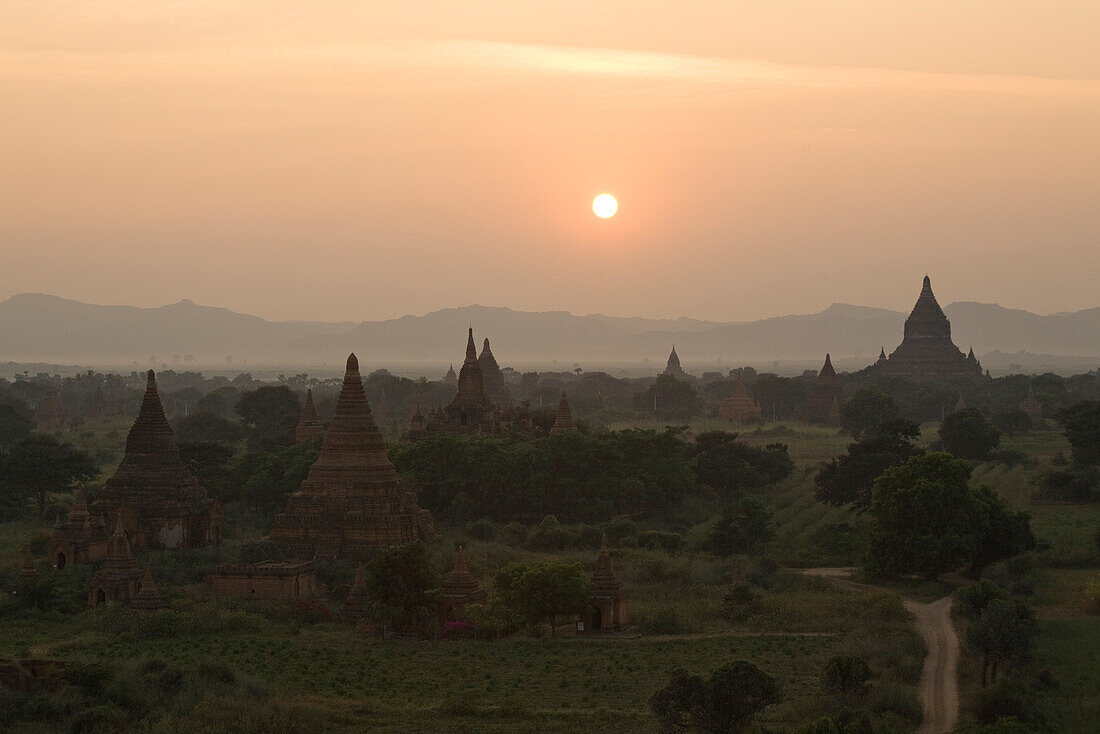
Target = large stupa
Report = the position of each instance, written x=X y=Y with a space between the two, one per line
x=926 y=350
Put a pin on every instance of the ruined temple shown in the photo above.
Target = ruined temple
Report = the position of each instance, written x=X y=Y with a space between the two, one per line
x=119 y=578
x=563 y=419
x=493 y=377
x=309 y=426
x=608 y=608
x=739 y=405
x=823 y=403
x=264 y=581
x=357 y=604
x=673 y=367
x=81 y=538
x=461 y=587
x=159 y=501
x=471 y=411
x=147 y=598
x=351 y=503
x=926 y=350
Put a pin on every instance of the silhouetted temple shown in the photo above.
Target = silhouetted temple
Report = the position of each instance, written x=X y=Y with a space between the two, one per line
x=461 y=587
x=147 y=598
x=450 y=378
x=740 y=405
x=471 y=410
x=309 y=424
x=673 y=366
x=926 y=349
x=158 y=500
x=563 y=419
x=493 y=377
x=1032 y=407
x=608 y=608
x=823 y=403
x=351 y=503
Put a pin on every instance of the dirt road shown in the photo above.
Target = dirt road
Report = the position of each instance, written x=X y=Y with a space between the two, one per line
x=939 y=682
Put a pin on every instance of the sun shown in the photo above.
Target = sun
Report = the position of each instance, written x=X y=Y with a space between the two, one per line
x=605 y=206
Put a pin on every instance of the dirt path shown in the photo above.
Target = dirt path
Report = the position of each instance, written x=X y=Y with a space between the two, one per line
x=939 y=681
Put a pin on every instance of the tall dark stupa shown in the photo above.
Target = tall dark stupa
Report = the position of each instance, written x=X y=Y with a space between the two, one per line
x=926 y=351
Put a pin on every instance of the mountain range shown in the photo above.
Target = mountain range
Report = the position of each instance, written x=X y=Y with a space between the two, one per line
x=45 y=328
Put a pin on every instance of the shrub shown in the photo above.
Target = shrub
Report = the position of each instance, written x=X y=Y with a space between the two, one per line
x=659 y=540
x=662 y=620
x=483 y=529
x=1092 y=596
x=846 y=677
x=514 y=533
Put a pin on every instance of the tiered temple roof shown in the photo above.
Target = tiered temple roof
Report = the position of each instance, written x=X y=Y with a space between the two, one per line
x=160 y=500
x=563 y=419
x=609 y=606
x=81 y=538
x=493 y=377
x=471 y=410
x=351 y=503
x=673 y=366
x=119 y=578
x=926 y=349
x=357 y=604
x=461 y=587
x=739 y=405
x=29 y=570
x=147 y=598
x=309 y=424
x=823 y=403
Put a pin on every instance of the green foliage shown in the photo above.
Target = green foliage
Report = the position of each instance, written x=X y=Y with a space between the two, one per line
x=727 y=465
x=1001 y=634
x=661 y=540
x=207 y=428
x=403 y=583
x=742 y=527
x=271 y=414
x=1012 y=422
x=967 y=434
x=726 y=702
x=845 y=677
x=64 y=591
x=847 y=480
x=675 y=400
x=573 y=476
x=263 y=479
x=928 y=521
x=1072 y=484
x=483 y=529
x=848 y=721
x=541 y=592
x=1081 y=424
x=16 y=422
x=974 y=599
x=38 y=465
x=1011 y=698
x=865 y=411
x=209 y=461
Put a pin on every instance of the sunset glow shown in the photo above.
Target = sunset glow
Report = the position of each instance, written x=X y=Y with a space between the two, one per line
x=605 y=206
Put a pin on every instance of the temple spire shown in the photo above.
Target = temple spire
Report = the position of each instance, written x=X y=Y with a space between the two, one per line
x=563 y=419
x=471 y=350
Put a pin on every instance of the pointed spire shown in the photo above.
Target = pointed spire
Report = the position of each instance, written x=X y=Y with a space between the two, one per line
x=352 y=436
x=147 y=598
x=471 y=350
x=604 y=574
x=79 y=511
x=827 y=370
x=118 y=547
x=309 y=423
x=460 y=561
x=882 y=353
x=563 y=419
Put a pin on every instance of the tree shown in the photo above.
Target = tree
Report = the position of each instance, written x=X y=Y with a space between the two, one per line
x=726 y=702
x=542 y=592
x=1001 y=634
x=968 y=435
x=742 y=527
x=207 y=460
x=845 y=678
x=670 y=399
x=404 y=584
x=206 y=428
x=847 y=479
x=726 y=465
x=1013 y=421
x=16 y=423
x=271 y=414
x=927 y=520
x=39 y=464
x=1081 y=425
x=865 y=411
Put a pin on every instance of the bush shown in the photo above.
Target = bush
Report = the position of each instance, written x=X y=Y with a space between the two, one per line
x=514 y=533
x=621 y=531
x=845 y=678
x=662 y=620
x=658 y=540
x=551 y=535
x=1092 y=596
x=483 y=529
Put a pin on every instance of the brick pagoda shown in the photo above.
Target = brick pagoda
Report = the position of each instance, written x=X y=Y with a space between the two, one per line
x=563 y=419
x=823 y=403
x=740 y=405
x=926 y=350
x=461 y=587
x=309 y=424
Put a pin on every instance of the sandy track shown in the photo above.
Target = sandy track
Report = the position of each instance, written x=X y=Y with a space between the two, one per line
x=939 y=682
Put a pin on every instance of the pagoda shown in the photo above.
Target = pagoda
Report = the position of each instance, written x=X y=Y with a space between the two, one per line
x=926 y=350
x=450 y=378
x=739 y=405
x=357 y=604
x=81 y=538
x=493 y=377
x=29 y=570
x=160 y=501
x=673 y=367
x=823 y=403
x=608 y=603
x=119 y=578
x=147 y=598
x=461 y=587
x=49 y=413
x=309 y=426
x=1032 y=407
x=351 y=503
x=563 y=419
x=471 y=411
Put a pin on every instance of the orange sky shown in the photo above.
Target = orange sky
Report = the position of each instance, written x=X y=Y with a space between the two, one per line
x=344 y=161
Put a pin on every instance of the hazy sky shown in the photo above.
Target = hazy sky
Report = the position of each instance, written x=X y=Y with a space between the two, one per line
x=362 y=160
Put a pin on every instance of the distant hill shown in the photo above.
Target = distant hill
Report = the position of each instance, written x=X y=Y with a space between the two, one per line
x=42 y=328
